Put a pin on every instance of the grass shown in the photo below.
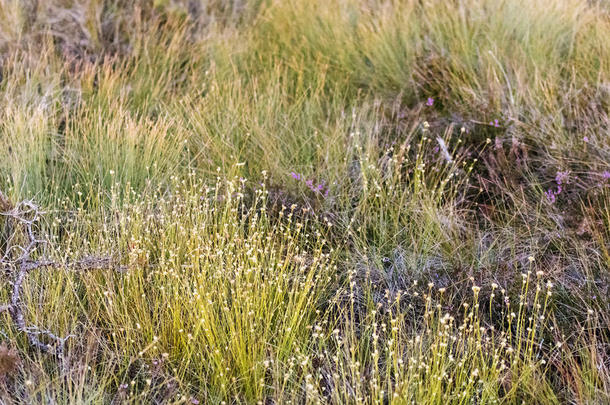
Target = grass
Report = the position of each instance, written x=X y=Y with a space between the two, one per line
x=311 y=202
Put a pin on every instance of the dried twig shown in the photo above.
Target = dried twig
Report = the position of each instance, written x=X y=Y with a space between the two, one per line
x=17 y=260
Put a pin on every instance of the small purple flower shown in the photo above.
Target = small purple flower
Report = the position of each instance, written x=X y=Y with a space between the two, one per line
x=316 y=188
x=606 y=175
x=430 y=102
x=495 y=123
x=585 y=138
x=562 y=177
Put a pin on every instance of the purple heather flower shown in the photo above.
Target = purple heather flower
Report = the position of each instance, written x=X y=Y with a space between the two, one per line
x=316 y=188
x=562 y=176
x=550 y=195
x=606 y=175
x=430 y=102
x=585 y=138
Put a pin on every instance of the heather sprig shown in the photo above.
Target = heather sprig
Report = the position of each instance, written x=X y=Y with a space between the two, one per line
x=317 y=188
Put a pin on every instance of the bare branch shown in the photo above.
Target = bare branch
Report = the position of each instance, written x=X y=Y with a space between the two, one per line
x=24 y=216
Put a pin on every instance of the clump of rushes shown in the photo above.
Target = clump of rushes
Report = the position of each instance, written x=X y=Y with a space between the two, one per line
x=230 y=303
x=409 y=193
x=447 y=357
x=217 y=289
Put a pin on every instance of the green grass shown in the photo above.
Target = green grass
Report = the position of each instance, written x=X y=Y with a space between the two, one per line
x=296 y=223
